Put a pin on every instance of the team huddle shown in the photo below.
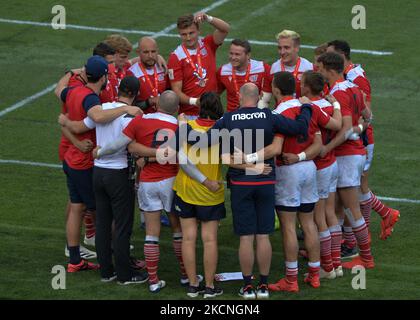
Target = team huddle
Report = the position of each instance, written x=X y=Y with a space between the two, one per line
x=296 y=137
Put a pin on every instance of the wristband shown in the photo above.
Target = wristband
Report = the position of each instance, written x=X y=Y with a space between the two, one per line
x=302 y=156
x=360 y=127
x=193 y=101
x=336 y=105
x=209 y=18
x=251 y=158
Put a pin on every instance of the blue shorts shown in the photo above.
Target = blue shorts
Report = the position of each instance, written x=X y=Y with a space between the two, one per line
x=80 y=186
x=203 y=213
x=252 y=209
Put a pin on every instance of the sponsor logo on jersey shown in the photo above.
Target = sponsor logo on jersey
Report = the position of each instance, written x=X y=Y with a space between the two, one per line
x=249 y=116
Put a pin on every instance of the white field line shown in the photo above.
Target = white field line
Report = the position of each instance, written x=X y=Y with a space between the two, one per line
x=163 y=32
x=27 y=100
x=57 y=166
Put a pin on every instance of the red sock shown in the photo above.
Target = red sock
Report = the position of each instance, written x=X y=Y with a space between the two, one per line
x=361 y=232
x=378 y=206
x=313 y=268
x=291 y=271
x=177 y=245
x=365 y=208
x=349 y=238
x=89 y=221
x=336 y=236
x=326 y=259
x=151 y=254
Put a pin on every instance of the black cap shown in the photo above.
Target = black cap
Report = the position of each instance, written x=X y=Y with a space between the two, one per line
x=130 y=86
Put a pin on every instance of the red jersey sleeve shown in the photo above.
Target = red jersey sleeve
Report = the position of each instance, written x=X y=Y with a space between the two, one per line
x=266 y=87
x=174 y=68
x=364 y=85
x=130 y=129
x=323 y=117
x=220 y=86
x=209 y=42
x=344 y=100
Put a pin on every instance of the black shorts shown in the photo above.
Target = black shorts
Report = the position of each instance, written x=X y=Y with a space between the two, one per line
x=203 y=213
x=80 y=186
x=252 y=209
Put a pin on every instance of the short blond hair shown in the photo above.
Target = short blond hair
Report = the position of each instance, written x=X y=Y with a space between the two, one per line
x=289 y=34
x=119 y=43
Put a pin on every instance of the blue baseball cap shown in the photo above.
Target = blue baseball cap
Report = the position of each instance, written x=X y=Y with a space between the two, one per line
x=96 y=66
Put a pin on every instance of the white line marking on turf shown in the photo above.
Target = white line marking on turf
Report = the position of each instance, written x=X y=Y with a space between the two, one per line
x=51 y=165
x=164 y=32
x=27 y=100
x=31 y=163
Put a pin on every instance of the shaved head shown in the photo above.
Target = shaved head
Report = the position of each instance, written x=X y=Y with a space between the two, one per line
x=147 y=41
x=168 y=102
x=249 y=95
x=148 y=51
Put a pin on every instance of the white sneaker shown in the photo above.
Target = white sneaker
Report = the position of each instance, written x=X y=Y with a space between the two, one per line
x=185 y=282
x=156 y=287
x=84 y=253
x=339 y=271
x=89 y=241
x=327 y=275
x=262 y=292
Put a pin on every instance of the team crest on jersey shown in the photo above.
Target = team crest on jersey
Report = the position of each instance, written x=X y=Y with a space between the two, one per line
x=204 y=73
x=253 y=78
x=203 y=51
x=161 y=77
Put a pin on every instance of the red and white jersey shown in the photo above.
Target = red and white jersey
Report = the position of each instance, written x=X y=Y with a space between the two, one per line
x=327 y=135
x=290 y=108
x=152 y=84
x=351 y=100
x=357 y=75
x=151 y=130
x=75 y=81
x=110 y=93
x=297 y=70
x=257 y=72
x=197 y=76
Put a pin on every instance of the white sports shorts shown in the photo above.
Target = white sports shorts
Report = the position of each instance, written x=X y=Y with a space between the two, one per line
x=155 y=196
x=350 y=170
x=296 y=184
x=327 y=180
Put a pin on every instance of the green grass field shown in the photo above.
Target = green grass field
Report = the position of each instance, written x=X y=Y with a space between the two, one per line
x=33 y=198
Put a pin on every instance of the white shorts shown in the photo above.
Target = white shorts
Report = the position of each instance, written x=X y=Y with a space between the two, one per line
x=369 y=158
x=296 y=184
x=155 y=196
x=350 y=170
x=327 y=180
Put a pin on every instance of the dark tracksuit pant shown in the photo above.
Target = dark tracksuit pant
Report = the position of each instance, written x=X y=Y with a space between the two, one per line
x=114 y=194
